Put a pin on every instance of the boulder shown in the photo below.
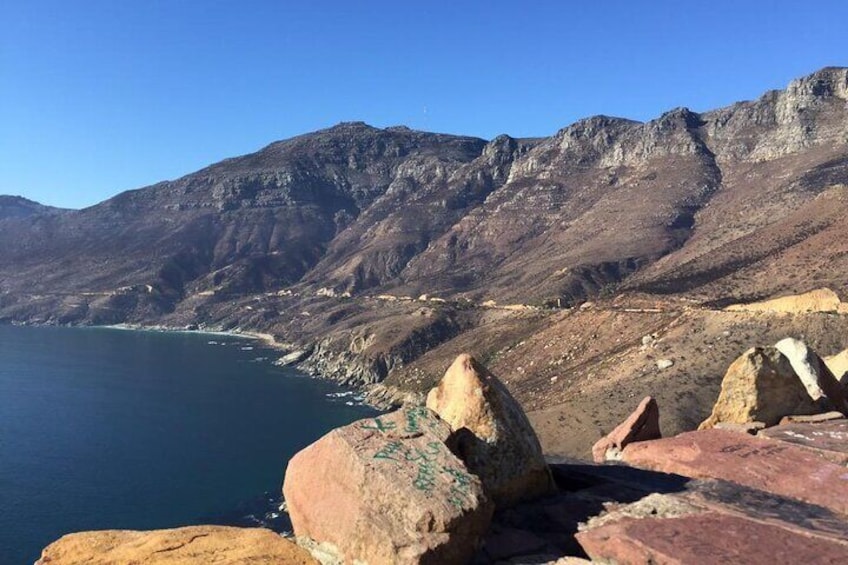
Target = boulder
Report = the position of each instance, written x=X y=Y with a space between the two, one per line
x=814 y=373
x=492 y=434
x=191 y=545
x=760 y=386
x=643 y=424
x=388 y=490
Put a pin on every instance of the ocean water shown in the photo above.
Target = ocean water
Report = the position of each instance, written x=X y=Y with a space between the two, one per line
x=112 y=429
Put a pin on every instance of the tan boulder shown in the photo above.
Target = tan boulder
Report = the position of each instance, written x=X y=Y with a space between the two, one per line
x=491 y=432
x=838 y=365
x=198 y=545
x=820 y=383
x=643 y=424
x=388 y=490
x=760 y=386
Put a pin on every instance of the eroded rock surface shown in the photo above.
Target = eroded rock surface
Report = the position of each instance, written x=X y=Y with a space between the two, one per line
x=493 y=435
x=388 y=490
x=193 y=544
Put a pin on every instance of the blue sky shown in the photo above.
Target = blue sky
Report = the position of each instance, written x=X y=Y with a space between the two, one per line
x=97 y=96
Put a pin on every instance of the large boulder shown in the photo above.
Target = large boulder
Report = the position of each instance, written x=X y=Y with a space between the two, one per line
x=491 y=432
x=642 y=425
x=388 y=490
x=820 y=383
x=198 y=545
x=760 y=386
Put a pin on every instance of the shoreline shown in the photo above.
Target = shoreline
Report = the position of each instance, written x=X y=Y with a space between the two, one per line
x=269 y=339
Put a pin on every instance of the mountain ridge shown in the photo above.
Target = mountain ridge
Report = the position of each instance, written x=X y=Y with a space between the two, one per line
x=369 y=253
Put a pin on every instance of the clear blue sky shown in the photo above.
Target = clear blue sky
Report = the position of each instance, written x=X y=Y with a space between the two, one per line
x=100 y=96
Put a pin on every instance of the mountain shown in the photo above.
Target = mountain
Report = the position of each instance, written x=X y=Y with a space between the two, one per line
x=321 y=239
x=20 y=207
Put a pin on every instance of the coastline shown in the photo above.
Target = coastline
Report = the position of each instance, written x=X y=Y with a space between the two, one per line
x=343 y=368
x=269 y=339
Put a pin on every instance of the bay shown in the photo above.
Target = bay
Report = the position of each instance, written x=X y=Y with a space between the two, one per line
x=110 y=429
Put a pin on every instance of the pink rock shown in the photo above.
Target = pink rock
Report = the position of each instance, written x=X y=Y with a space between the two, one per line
x=829 y=438
x=388 y=490
x=643 y=424
x=707 y=538
x=767 y=465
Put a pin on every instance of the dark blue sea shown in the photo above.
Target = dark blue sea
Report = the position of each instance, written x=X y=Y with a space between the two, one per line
x=112 y=429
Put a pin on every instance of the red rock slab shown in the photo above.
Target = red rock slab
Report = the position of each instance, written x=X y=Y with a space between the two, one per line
x=763 y=464
x=706 y=538
x=828 y=438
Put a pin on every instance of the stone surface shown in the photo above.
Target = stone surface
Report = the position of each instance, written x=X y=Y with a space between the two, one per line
x=643 y=424
x=388 y=490
x=814 y=373
x=494 y=437
x=828 y=437
x=838 y=365
x=760 y=386
x=664 y=364
x=706 y=538
x=772 y=466
x=198 y=545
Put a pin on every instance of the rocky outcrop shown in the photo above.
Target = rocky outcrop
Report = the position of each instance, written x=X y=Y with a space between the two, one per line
x=388 y=490
x=642 y=425
x=819 y=300
x=760 y=386
x=492 y=434
x=820 y=383
x=193 y=544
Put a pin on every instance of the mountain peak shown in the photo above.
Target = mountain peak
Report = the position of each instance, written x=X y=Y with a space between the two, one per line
x=826 y=82
x=12 y=206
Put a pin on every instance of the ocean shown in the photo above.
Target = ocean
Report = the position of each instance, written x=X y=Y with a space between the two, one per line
x=113 y=429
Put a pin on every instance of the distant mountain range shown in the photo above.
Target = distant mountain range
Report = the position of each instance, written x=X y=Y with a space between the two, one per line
x=741 y=202
x=377 y=254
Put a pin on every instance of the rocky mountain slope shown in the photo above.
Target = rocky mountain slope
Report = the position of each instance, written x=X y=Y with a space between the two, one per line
x=20 y=207
x=324 y=239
